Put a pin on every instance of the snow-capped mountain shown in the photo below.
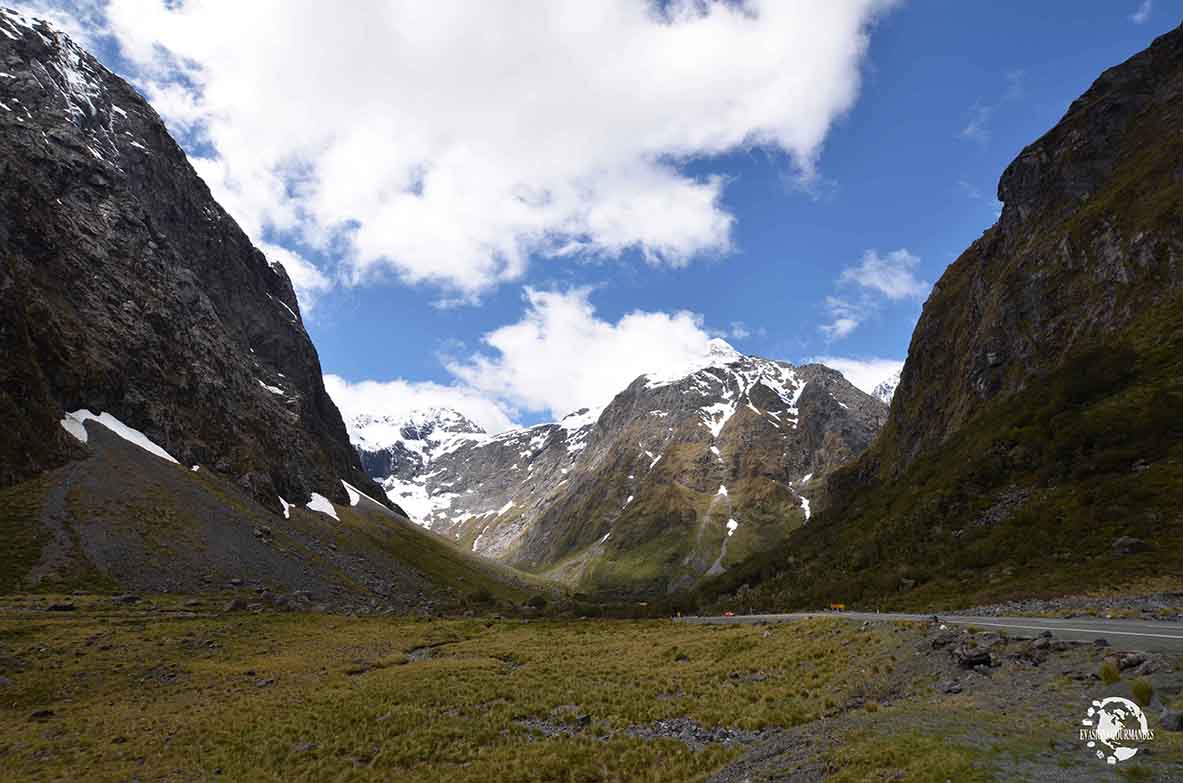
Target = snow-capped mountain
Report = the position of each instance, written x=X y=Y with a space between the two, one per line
x=405 y=445
x=680 y=476
x=884 y=391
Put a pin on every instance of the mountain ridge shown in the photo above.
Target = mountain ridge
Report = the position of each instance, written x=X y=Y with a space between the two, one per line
x=537 y=497
x=171 y=320
x=1037 y=425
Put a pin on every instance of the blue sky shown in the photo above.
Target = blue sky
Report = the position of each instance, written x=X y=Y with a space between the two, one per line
x=948 y=94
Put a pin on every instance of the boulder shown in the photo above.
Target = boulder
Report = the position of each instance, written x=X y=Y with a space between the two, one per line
x=970 y=656
x=1127 y=545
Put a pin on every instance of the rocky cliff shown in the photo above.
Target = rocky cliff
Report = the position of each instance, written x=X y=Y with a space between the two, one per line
x=1088 y=240
x=126 y=289
x=678 y=477
x=1038 y=425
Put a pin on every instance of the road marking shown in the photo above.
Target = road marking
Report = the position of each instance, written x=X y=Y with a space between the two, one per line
x=1100 y=631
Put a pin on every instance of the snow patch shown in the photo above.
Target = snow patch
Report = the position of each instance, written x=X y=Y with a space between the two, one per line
x=272 y=389
x=287 y=508
x=323 y=505
x=73 y=425
x=732 y=526
x=719 y=354
x=722 y=490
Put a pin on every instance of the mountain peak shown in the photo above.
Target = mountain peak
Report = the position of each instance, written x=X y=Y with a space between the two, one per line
x=885 y=389
x=719 y=353
x=425 y=426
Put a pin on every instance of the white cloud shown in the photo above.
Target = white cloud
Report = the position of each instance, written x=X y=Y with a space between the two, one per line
x=977 y=127
x=308 y=281
x=877 y=279
x=893 y=275
x=561 y=357
x=82 y=20
x=970 y=190
x=865 y=374
x=1142 y=14
x=844 y=316
x=449 y=146
x=399 y=397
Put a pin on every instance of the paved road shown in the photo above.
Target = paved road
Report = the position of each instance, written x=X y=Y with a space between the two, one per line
x=1148 y=635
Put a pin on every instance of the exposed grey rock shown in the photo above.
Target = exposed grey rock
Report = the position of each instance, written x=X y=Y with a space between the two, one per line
x=1171 y=720
x=737 y=446
x=125 y=288
x=970 y=656
x=1127 y=545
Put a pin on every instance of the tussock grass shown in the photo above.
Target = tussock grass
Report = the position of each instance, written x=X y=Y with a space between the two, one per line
x=156 y=695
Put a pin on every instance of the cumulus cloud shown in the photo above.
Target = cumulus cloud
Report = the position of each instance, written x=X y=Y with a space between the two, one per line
x=844 y=316
x=308 y=281
x=399 y=397
x=865 y=374
x=1142 y=14
x=561 y=356
x=877 y=279
x=449 y=147
x=892 y=275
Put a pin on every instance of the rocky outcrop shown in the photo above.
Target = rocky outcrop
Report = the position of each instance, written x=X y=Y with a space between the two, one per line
x=676 y=478
x=1089 y=238
x=1035 y=443
x=125 y=288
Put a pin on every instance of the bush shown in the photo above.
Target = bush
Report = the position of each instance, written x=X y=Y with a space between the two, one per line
x=1142 y=691
x=481 y=597
x=1109 y=673
x=537 y=602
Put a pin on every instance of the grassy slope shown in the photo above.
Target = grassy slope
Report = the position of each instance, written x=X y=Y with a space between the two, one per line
x=1098 y=445
x=1096 y=439
x=131 y=515
x=671 y=532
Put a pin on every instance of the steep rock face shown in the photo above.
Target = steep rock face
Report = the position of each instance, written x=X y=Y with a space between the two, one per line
x=1089 y=238
x=125 y=288
x=1039 y=418
x=678 y=477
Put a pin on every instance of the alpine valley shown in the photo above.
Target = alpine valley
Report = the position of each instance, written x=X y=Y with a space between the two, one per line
x=676 y=479
x=207 y=573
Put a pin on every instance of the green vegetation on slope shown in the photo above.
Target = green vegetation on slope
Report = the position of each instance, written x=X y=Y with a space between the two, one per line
x=1025 y=500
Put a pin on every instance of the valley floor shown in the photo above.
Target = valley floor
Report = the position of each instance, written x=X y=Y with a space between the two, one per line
x=172 y=688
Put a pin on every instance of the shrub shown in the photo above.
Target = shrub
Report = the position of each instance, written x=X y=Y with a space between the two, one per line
x=481 y=596
x=537 y=602
x=1142 y=691
x=1109 y=673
